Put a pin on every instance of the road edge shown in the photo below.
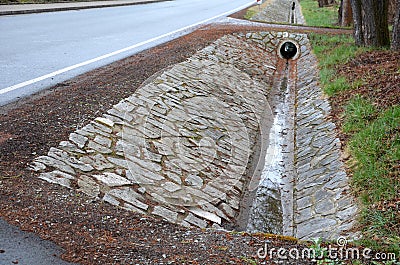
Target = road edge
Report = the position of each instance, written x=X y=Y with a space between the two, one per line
x=69 y=8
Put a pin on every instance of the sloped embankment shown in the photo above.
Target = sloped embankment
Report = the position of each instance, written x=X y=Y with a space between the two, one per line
x=188 y=145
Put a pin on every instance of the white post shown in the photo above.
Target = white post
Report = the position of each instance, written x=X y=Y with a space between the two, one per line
x=259 y=2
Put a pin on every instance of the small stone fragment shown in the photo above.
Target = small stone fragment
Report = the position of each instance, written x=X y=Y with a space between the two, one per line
x=165 y=213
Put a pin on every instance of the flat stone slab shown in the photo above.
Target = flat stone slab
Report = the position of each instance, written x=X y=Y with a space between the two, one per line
x=321 y=183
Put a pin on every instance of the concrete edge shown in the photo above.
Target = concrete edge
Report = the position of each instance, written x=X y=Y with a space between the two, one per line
x=69 y=8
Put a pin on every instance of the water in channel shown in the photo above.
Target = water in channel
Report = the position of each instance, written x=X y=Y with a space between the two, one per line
x=266 y=214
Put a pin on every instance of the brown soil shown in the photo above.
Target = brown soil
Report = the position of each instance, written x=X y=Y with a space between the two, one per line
x=240 y=14
x=378 y=72
x=91 y=231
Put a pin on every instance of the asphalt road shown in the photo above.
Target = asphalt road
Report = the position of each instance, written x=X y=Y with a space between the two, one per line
x=17 y=247
x=40 y=50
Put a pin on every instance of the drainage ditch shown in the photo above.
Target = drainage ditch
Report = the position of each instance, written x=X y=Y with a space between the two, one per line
x=272 y=206
x=179 y=147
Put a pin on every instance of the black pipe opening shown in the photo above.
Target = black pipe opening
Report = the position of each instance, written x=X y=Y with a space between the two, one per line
x=288 y=50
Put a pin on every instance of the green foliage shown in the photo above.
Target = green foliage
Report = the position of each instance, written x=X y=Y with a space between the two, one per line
x=379 y=224
x=333 y=51
x=316 y=16
x=250 y=13
x=376 y=148
x=357 y=114
x=335 y=85
x=248 y=260
x=321 y=254
x=374 y=143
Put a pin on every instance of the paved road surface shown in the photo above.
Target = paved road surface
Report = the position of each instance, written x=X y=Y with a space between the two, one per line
x=36 y=45
x=64 y=6
x=17 y=247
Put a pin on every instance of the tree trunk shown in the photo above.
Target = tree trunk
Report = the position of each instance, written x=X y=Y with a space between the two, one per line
x=345 y=13
x=368 y=20
x=322 y=3
x=391 y=11
x=396 y=28
x=381 y=20
x=358 y=23
x=375 y=26
x=371 y=22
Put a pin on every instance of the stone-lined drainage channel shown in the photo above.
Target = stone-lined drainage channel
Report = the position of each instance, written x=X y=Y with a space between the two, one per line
x=195 y=144
x=281 y=11
x=266 y=212
x=272 y=208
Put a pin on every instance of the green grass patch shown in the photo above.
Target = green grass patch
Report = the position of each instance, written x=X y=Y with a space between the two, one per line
x=375 y=147
x=250 y=13
x=379 y=225
x=332 y=51
x=373 y=143
x=319 y=16
x=358 y=113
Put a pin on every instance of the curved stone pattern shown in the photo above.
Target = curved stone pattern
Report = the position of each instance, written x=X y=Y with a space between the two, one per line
x=182 y=146
x=179 y=147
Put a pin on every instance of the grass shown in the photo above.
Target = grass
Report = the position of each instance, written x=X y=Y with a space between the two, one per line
x=374 y=134
x=255 y=9
x=374 y=144
x=358 y=113
x=376 y=150
x=250 y=261
x=250 y=13
x=340 y=50
x=317 y=16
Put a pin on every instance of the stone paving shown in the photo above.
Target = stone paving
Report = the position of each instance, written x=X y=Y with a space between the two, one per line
x=324 y=206
x=318 y=187
x=179 y=146
x=183 y=145
x=280 y=11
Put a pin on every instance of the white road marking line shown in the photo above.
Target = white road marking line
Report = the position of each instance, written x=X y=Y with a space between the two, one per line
x=35 y=80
